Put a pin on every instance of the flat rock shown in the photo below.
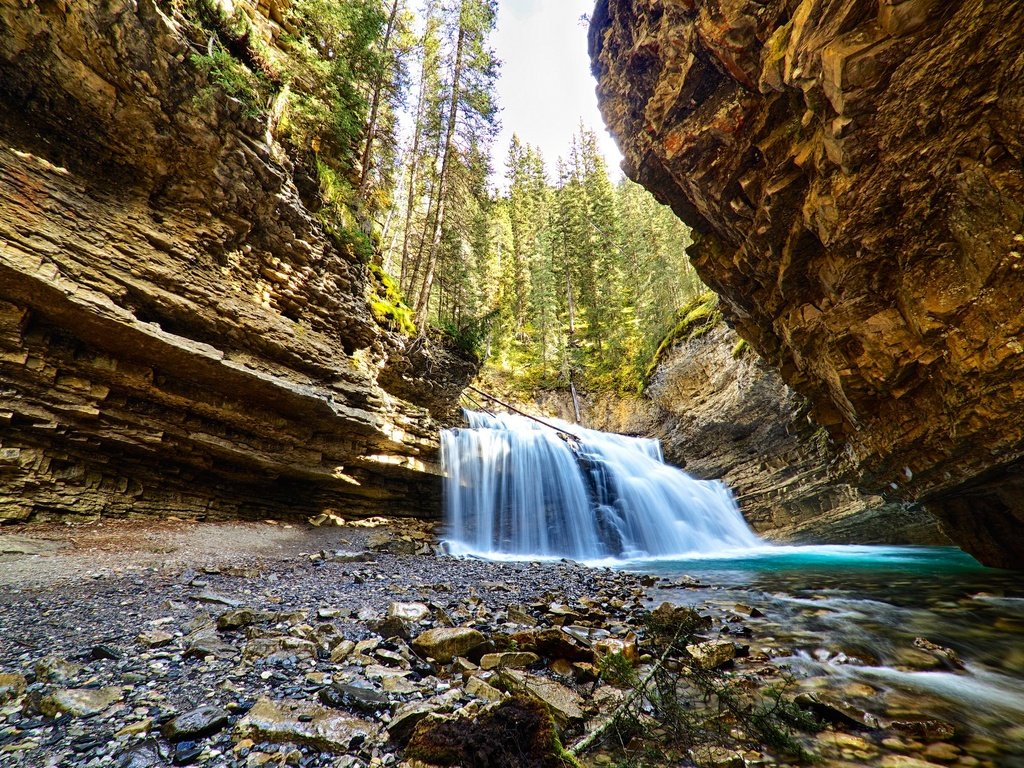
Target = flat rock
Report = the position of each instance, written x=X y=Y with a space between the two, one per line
x=12 y=685
x=354 y=696
x=406 y=718
x=483 y=690
x=445 y=643
x=509 y=660
x=79 y=702
x=199 y=722
x=155 y=638
x=566 y=705
x=288 y=720
x=712 y=654
x=54 y=669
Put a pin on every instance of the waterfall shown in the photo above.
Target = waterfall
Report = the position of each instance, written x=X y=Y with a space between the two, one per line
x=518 y=488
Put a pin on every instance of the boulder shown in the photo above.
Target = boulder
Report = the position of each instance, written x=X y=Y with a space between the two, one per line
x=445 y=643
x=288 y=720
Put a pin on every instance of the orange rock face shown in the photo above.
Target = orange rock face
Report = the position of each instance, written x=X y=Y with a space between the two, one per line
x=854 y=171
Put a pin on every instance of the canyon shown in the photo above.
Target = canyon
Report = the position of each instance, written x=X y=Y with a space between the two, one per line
x=853 y=176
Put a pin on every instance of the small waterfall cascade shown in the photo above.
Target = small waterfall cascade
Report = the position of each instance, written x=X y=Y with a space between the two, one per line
x=515 y=487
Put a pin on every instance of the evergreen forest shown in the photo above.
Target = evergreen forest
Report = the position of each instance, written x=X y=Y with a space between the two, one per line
x=556 y=274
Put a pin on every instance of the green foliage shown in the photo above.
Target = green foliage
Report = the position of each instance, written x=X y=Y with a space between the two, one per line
x=680 y=708
x=229 y=76
x=695 y=319
x=386 y=302
x=616 y=669
x=470 y=334
x=739 y=349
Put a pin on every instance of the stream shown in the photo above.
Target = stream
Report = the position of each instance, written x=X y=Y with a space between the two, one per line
x=845 y=618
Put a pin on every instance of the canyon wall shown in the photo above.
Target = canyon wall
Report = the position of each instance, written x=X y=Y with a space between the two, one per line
x=854 y=173
x=178 y=334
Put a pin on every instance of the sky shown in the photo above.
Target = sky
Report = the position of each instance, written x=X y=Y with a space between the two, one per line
x=545 y=87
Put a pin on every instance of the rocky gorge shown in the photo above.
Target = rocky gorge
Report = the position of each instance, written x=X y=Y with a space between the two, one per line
x=179 y=333
x=853 y=176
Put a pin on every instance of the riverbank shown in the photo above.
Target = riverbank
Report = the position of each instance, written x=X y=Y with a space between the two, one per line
x=247 y=644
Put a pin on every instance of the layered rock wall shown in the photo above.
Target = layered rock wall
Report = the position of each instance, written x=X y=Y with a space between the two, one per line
x=177 y=334
x=855 y=173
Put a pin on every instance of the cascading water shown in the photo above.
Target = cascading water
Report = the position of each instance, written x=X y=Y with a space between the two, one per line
x=518 y=488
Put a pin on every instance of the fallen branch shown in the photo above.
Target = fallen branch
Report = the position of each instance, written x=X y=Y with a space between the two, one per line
x=592 y=738
x=563 y=433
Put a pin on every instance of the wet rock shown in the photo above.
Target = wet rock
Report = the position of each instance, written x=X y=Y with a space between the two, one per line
x=509 y=660
x=202 y=721
x=925 y=729
x=445 y=643
x=478 y=687
x=712 y=654
x=552 y=644
x=947 y=656
x=143 y=755
x=354 y=696
x=156 y=638
x=54 y=669
x=186 y=753
x=836 y=711
x=242 y=617
x=12 y=685
x=103 y=651
x=79 y=702
x=288 y=720
x=566 y=705
x=406 y=718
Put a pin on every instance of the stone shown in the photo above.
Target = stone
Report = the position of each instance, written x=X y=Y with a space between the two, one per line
x=12 y=685
x=405 y=719
x=80 y=702
x=481 y=689
x=145 y=754
x=517 y=614
x=565 y=705
x=509 y=660
x=54 y=669
x=286 y=720
x=238 y=618
x=155 y=638
x=610 y=646
x=411 y=612
x=354 y=696
x=445 y=643
x=713 y=654
x=195 y=724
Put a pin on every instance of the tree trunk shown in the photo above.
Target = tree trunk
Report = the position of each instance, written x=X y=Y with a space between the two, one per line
x=423 y=303
x=378 y=90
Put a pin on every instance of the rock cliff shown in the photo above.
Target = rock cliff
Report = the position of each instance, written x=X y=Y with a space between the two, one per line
x=178 y=334
x=855 y=173
x=724 y=414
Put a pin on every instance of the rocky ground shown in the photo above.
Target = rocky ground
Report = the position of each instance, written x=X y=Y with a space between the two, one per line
x=150 y=644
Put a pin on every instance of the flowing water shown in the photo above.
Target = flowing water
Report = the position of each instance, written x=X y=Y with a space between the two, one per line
x=842 y=618
x=516 y=487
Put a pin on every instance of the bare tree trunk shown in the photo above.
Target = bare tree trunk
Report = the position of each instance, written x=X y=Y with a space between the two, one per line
x=378 y=90
x=423 y=303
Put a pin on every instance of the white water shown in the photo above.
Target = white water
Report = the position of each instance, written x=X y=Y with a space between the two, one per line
x=515 y=488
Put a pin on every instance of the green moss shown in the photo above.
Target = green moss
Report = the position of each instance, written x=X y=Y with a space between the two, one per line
x=693 y=320
x=387 y=305
x=519 y=733
x=739 y=349
x=228 y=75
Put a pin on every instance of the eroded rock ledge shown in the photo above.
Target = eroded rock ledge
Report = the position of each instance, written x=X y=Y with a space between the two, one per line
x=854 y=171
x=177 y=334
